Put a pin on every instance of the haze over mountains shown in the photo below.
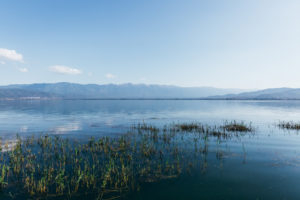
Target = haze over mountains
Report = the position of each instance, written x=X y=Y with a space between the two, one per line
x=267 y=94
x=93 y=91
x=137 y=91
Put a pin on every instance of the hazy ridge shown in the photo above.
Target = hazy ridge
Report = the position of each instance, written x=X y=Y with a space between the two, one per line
x=266 y=94
x=94 y=91
x=139 y=91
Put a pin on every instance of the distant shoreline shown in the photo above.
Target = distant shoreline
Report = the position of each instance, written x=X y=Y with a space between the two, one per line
x=141 y=99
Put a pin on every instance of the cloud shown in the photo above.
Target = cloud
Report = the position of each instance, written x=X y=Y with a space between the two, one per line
x=24 y=70
x=110 y=76
x=61 y=69
x=11 y=55
x=2 y=62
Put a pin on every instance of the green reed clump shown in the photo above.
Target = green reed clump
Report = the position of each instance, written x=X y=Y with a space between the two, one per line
x=188 y=127
x=3 y=176
x=51 y=167
x=234 y=126
x=289 y=125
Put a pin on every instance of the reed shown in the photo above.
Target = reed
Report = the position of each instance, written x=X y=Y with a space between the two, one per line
x=234 y=126
x=289 y=125
x=51 y=167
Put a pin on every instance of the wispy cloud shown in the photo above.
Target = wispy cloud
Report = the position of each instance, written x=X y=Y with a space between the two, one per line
x=110 y=76
x=2 y=62
x=24 y=70
x=61 y=69
x=10 y=55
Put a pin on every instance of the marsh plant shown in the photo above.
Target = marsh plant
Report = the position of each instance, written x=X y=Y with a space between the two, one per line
x=290 y=125
x=235 y=126
x=52 y=167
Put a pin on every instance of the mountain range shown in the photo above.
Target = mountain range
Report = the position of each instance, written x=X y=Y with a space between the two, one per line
x=266 y=94
x=93 y=91
x=66 y=90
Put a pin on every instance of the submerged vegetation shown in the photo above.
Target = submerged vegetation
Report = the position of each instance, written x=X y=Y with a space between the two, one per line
x=51 y=167
x=289 y=125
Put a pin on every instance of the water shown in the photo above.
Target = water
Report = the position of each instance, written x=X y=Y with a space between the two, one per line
x=265 y=165
x=107 y=117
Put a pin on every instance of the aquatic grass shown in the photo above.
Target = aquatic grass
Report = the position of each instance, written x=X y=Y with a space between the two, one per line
x=235 y=126
x=51 y=167
x=290 y=125
x=188 y=127
x=228 y=130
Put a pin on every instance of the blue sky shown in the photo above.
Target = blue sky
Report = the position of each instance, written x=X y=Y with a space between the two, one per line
x=225 y=43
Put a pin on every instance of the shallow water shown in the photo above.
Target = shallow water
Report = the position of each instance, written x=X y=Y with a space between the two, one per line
x=265 y=165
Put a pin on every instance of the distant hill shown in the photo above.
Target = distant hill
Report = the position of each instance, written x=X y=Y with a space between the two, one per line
x=138 y=91
x=16 y=93
x=93 y=91
x=267 y=94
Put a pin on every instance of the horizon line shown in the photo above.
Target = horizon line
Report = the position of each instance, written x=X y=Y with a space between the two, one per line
x=146 y=84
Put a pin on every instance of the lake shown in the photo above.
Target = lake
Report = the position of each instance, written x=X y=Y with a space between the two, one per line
x=262 y=165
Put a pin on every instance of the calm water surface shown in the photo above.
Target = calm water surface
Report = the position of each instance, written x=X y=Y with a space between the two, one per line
x=265 y=165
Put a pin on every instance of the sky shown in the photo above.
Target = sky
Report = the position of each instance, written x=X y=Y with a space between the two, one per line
x=249 y=44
